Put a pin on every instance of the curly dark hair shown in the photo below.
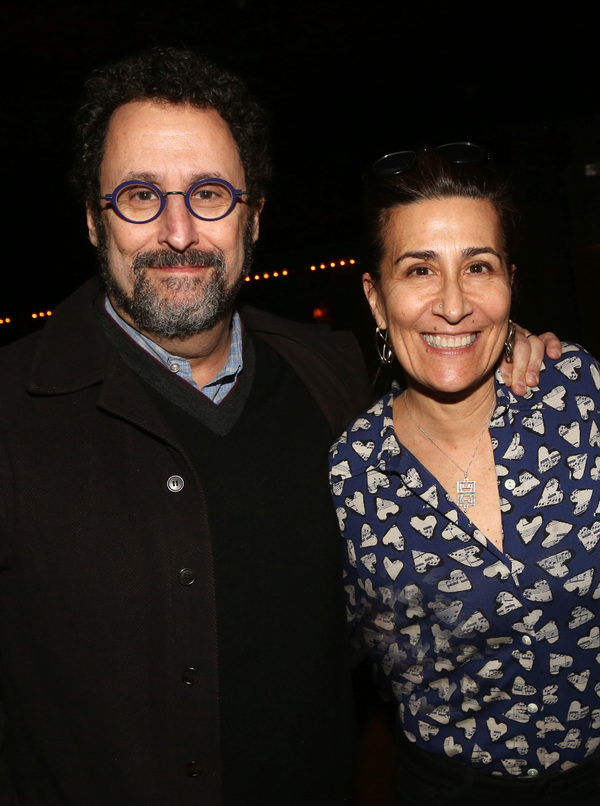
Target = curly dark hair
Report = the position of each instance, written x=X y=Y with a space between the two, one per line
x=433 y=177
x=178 y=76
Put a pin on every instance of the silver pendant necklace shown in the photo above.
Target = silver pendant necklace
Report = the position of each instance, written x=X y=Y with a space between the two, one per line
x=465 y=488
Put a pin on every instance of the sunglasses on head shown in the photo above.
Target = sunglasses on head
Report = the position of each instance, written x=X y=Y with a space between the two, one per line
x=401 y=161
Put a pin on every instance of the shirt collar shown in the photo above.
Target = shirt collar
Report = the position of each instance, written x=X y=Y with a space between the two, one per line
x=217 y=387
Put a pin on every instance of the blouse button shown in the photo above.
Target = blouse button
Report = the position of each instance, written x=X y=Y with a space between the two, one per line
x=510 y=484
x=531 y=772
x=527 y=640
x=532 y=708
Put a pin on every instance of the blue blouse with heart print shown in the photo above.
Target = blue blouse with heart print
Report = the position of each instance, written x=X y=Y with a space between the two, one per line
x=493 y=656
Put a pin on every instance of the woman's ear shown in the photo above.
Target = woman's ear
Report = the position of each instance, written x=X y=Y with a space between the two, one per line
x=372 y=295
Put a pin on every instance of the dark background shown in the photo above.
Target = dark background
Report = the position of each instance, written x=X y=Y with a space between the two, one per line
x=344 y=84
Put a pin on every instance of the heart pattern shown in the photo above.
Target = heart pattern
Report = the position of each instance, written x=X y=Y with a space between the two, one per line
x=462 y=633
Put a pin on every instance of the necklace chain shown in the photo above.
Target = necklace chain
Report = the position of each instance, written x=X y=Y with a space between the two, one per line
x=465 y=488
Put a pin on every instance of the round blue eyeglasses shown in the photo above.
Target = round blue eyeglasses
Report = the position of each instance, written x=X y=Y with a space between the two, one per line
x=141 y=202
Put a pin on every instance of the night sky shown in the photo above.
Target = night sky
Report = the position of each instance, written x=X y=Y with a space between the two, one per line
x=343 y=87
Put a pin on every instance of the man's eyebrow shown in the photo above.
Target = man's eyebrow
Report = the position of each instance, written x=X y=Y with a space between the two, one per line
x=156 y=179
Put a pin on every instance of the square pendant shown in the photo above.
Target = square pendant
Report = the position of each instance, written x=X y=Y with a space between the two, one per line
x=465 y=492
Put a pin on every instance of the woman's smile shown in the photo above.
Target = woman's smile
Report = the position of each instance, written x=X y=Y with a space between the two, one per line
x=453 y=342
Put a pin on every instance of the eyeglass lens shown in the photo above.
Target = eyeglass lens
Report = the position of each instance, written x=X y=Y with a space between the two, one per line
x=141 y=202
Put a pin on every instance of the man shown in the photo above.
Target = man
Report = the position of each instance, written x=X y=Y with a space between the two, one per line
x=171 y=629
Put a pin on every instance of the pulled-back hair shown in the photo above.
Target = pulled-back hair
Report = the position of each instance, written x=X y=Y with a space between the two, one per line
x=431 y=177
x=176 y=76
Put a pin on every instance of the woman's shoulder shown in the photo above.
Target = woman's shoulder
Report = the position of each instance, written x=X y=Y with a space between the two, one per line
x=366 y=437
x=576 y=370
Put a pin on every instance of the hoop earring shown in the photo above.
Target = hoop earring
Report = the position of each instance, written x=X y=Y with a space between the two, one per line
x=384 y=351
x=509 y=344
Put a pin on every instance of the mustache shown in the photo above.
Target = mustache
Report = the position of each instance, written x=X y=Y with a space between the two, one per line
x=169 y=259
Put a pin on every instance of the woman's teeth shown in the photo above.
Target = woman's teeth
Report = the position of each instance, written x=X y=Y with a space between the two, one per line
x=449 y=341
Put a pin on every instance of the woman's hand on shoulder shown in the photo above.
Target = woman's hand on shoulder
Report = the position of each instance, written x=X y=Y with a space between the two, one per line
x=529 y=352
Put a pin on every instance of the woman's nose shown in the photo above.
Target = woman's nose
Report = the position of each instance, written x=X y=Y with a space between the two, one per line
x=453 y=304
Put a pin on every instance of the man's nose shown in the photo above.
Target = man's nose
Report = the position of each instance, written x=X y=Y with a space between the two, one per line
x=178 y=228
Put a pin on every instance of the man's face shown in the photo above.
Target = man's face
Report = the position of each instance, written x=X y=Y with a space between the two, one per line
x=177 y=275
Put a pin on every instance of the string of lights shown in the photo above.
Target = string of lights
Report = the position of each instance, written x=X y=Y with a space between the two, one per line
x=285 y=272
x=267 y=275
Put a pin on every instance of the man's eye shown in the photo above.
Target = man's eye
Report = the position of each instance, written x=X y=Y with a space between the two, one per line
x=145 y=195
x=211 y=193
x=137 y=196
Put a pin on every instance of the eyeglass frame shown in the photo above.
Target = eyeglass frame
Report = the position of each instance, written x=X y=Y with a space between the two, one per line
x=480 y=154
x=236 y=194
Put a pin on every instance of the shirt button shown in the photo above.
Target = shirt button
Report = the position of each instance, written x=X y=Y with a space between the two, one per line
x=510 y=484
x=187 y=576
x=194 y=768
x=527 y=640
x=532 y=708
x=174 y=366
x=175 y=484
x=190 y=676
x=531 y=772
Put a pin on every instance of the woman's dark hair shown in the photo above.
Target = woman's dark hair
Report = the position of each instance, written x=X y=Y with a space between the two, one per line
x=176 y=76
x=432 y=176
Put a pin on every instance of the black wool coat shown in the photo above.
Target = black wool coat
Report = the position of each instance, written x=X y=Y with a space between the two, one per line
x=96 y=614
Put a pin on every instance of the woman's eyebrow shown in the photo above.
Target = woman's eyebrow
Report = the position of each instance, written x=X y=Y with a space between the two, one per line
x=473 y=251
x=428 y=254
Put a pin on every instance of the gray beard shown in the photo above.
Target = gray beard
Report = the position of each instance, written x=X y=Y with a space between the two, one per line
x=175 y=307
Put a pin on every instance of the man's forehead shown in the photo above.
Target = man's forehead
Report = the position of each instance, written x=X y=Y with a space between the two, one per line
x=156 y=134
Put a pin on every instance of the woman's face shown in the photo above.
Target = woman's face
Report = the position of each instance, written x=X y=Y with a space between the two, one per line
x=444 y=293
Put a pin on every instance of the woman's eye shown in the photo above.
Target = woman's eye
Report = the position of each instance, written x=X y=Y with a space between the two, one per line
x=419 y=271
x=478 y=268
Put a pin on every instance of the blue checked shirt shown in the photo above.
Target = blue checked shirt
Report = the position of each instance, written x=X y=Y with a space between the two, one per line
x=218 y=387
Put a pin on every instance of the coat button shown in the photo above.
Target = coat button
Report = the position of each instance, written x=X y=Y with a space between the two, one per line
x=194 y=768
x=187 y=576
x=190 y=676
x=175 y=484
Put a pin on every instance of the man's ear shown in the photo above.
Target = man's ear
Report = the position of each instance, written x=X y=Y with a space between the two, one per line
x=91 y=225
x=372 y=295
x=255 y=224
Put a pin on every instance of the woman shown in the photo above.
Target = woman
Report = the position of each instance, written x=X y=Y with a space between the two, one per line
x=472 y=518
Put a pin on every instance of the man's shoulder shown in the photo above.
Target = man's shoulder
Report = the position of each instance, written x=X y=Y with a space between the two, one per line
x=329 y=362
x=67 y=345
x=260 y=321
